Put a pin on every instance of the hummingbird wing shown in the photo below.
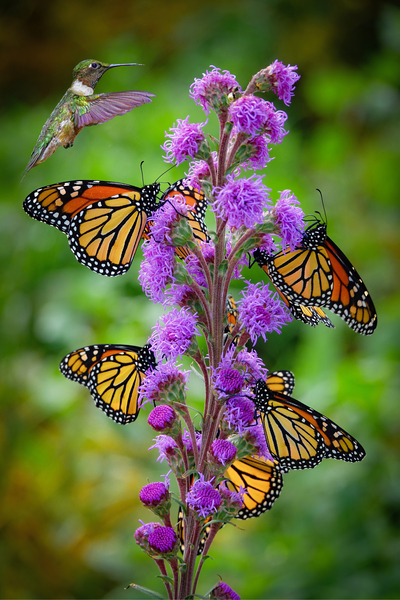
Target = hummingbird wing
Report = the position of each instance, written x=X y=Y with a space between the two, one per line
x=103 y=107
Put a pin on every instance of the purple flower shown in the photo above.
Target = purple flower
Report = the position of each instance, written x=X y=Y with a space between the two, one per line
x=203 y=498
x=290 y=219
x=253 y=364
x=268 y=245
x=165 y=445
x=157 y=269
x=184 y=141
x=254 y=116
x=158 y=382
x=162 y=417
x=231 y=498
x=187 y=440
x=225 y=378
x=260 y=311
x=256 y=436
x=222 y=591
x=282 y=79
x=180 y=294
x=199 y=171
x=165 y=218
x=195 y=270
x=239 y=413
x=163 y=540
x=260 y=153
x=212 y=91
x=142 y=533
x=173 y=333
x=154 y=494
x=242 y=201
x=223 y=451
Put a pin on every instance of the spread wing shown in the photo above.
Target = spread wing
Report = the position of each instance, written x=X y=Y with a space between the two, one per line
x=103 y=107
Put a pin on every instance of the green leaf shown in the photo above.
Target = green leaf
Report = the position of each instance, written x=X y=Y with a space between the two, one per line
x=146 y=591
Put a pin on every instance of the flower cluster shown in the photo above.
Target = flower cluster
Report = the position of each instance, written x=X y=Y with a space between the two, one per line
x=218 y=451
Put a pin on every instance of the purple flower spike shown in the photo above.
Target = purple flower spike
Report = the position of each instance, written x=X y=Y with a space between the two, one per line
x=173 y=333
x=261 y=312
x=260 y=157
x=290 y=219
x=253 y=364
x=283 y=79
x=242 y=201
x=184 y=141
x=211 y=92
x=203 y=498
x=222 y=591
x=254 y=116
x=161 y=417
x=223 y=451
x=154 y=494
x=239 y=413
x=187 y=440
x=163 y=540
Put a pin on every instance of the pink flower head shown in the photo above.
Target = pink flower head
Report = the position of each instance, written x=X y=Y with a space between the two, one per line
x=203 y=498
x=256 y=436
x=254 y=116
x=225 y=378
x=223 y=451
x=242 y=201
x=184 y=141
x=162 y=417
x=290 y=219
x=173 y=333
x=252 y=363
x=187 y=440
x=158 y=382
x=260 y=311
x=165 y=445
x=199 y=171
x=260 y=153
x=282 y=80
x=239 y=413
x=154 y=494
x=222 y=591
x=163 y=540
x=213 y=89
x=157 y=269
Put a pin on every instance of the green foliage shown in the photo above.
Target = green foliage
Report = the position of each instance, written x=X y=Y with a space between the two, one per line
x=70 y=476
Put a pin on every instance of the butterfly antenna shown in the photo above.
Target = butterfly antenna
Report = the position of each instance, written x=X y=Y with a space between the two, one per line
x=141 y=170
x=169 y=168
x=323 y=206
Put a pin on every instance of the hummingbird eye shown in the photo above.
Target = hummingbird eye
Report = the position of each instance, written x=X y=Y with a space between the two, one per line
x=95 y=65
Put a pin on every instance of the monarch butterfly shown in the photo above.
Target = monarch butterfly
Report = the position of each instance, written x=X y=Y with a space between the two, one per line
x=317 y=273
x=113 y=374
x=104 y=221
x=312 y=315
x=197 y=203
x=298 y=436
x=280 y=381
x=231 y=317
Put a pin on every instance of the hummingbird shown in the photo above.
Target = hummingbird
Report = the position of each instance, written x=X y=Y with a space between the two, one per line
x=80 y=107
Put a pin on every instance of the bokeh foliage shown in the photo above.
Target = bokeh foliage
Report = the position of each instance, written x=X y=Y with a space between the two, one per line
x=70 y=477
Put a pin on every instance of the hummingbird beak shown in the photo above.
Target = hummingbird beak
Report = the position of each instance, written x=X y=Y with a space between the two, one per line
x=125 y=65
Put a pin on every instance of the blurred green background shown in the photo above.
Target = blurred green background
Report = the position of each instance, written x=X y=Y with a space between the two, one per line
x=70 y=477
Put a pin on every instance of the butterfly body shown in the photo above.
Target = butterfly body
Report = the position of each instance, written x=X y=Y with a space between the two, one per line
x=80 y=107
x=298 y=436
x=113 y=374
x=104 y=221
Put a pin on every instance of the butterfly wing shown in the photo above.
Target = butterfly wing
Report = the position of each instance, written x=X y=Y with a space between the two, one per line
x=262 y=480
x=113 y=374
x=281 y=381
x=311 y=315
x=181 y=533
x=350 y=298
x=299 y=436
x=59 y=203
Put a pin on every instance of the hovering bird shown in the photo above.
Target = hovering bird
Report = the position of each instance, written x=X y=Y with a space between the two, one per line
x=80 y=107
